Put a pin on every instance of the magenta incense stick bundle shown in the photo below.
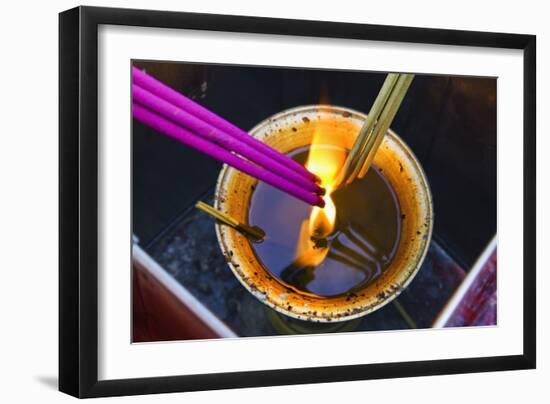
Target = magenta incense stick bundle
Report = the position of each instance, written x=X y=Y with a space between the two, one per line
x=206 y=130
x=163 y=91
x=164 y=109
x=190 y=139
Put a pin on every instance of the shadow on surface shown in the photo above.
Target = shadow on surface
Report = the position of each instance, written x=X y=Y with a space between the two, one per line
x=48 y=381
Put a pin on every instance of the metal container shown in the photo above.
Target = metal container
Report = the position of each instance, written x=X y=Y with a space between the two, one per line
x=400 y=167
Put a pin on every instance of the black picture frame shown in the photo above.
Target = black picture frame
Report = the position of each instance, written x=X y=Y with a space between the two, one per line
x=78 y=206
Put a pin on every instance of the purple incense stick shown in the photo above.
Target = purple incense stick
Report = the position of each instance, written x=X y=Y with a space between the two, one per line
x=213 y=150
x=163 y=91
x=232 y=144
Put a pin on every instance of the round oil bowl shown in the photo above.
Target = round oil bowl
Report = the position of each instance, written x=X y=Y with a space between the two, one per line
x=400 y=167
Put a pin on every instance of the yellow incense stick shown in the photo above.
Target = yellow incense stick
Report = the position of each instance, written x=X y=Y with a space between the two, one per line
x=386 y=118
x=375 y=127
x=350 y=169
x=254 y=232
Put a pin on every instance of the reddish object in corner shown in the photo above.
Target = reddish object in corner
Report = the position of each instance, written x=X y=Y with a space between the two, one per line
x=161 y=314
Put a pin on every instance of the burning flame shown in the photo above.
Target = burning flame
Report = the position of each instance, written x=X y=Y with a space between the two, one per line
x=325 y=160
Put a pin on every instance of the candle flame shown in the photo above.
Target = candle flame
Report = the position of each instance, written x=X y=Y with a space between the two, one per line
x=326 y=158
x=325 y=161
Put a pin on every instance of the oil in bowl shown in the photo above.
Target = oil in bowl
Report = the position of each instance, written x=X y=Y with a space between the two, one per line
x=364 y=240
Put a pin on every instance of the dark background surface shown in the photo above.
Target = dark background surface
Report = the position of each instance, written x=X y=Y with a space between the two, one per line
x=449 y=122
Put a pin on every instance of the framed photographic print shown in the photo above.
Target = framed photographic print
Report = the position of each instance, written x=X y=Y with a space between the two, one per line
x=250 y=201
